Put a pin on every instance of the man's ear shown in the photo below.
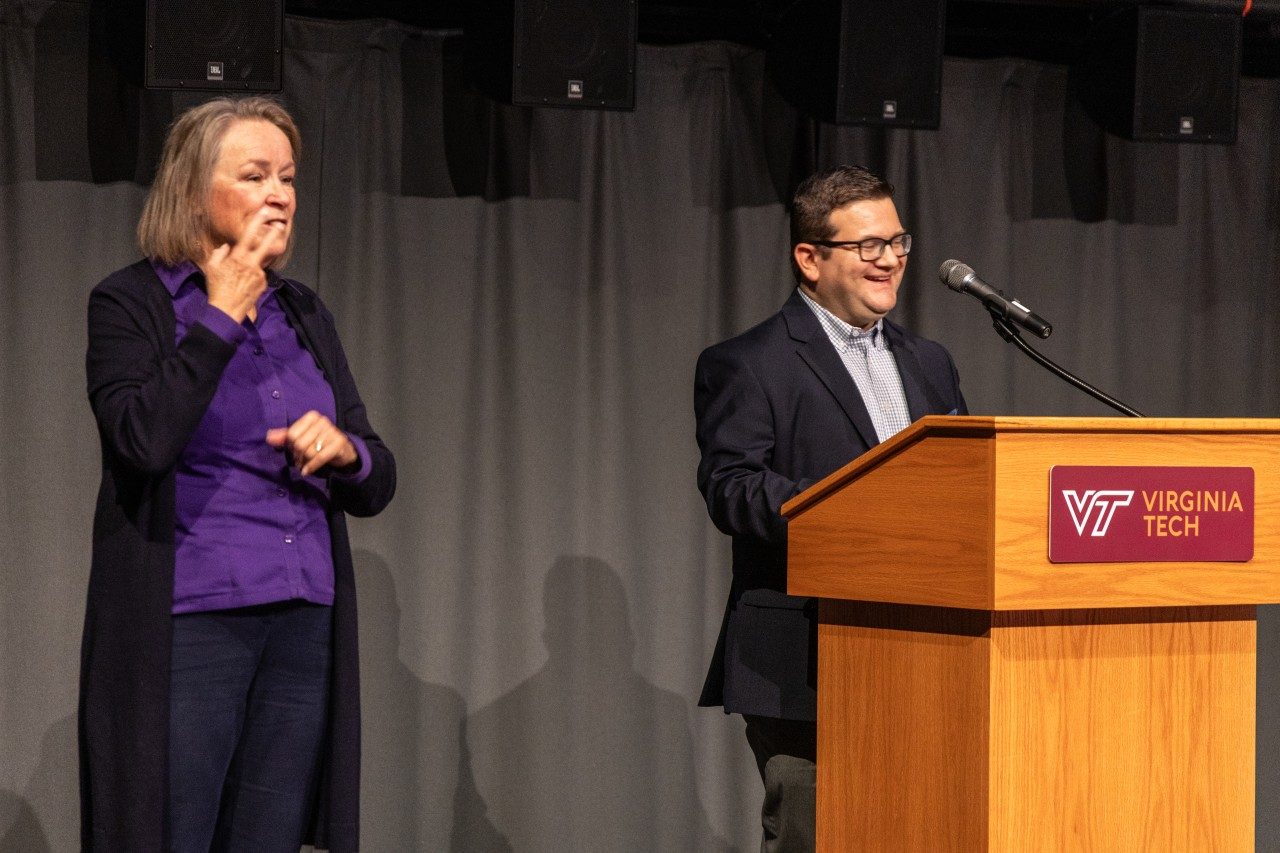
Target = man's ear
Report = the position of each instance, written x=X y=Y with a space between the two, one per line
x=806 y=258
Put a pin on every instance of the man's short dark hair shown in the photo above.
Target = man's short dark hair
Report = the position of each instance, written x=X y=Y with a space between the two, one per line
x=826 y=191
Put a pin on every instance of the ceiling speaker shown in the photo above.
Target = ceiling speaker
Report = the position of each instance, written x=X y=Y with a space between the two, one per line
x=1162 y=74
x=873 y=62
x=214 y=44
x=564 y=53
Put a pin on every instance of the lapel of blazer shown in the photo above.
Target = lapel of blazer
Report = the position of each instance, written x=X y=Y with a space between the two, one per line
x=814 y=347
x=922 y=398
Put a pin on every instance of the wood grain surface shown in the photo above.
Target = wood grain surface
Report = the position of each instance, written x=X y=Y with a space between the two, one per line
x=954 y=512
x=1023 y=575
x=1123 y=735
x=1106 y=730
x=903 y=707
x=915 y=529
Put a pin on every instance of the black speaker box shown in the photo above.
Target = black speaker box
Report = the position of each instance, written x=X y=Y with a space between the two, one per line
x=564 y=53
x=214 y=44
x=862 y=61
x=1161 y=74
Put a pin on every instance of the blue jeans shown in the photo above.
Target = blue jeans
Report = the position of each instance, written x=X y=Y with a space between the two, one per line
x=247 y=710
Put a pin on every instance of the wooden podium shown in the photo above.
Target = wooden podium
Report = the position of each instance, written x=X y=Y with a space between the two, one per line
x=975 y=696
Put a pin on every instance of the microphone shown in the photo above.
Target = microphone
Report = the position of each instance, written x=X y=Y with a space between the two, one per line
x=962 y=279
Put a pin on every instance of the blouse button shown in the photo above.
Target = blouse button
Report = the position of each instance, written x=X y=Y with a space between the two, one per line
x=275 y=394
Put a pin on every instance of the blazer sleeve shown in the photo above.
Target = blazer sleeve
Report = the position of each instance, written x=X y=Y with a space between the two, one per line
x=372 y=494
x=960 y=407
x=147 y=404
x=736 y=437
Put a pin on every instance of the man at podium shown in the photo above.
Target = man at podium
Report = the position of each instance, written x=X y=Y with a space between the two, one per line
x=778 y=408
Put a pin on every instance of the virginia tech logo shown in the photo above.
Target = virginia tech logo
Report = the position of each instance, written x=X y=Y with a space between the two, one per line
x=1150 y=513
x=1099 y=504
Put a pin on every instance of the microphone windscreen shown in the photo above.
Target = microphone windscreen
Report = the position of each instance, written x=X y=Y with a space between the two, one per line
x=953 y=273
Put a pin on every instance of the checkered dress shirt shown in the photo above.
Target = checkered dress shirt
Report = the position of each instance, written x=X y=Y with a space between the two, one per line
x=867 y=357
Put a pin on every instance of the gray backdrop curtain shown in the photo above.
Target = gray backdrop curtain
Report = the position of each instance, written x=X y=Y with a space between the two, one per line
x=522 y=295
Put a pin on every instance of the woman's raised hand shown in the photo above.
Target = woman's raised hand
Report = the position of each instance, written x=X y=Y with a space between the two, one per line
x=235 y=275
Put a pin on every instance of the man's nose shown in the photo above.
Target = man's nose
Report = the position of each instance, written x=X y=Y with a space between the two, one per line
x=888 y=260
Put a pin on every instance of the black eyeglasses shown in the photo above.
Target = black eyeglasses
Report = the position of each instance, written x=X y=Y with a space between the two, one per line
x=871 y=248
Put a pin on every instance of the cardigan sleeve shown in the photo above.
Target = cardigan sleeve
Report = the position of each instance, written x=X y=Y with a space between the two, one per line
x=370 y=495
x=147 y=398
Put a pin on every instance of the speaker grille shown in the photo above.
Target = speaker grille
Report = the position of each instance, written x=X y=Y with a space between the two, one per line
x=891 y=62
x=1186 y=75
x=575 y=53
x=861 y=61
x=214 y=45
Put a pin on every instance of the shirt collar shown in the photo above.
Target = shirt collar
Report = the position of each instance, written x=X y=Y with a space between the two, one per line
x=174 y=277
x=838 y=330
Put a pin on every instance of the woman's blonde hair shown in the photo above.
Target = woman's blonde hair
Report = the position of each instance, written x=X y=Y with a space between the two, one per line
x=174 y=225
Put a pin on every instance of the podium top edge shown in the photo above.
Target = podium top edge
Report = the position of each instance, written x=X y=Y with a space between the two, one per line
x=988 y=426
x=968 y=424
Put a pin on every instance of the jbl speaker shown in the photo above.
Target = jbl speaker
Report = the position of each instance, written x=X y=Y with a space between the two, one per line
x=1161 y=74
x=565 y=53
x=862 y=61
x=214 y=44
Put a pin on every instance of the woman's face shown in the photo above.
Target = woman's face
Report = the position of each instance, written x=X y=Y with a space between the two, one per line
x=255 y=171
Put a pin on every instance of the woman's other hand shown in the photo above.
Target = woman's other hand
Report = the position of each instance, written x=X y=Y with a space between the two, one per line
x=312 y=442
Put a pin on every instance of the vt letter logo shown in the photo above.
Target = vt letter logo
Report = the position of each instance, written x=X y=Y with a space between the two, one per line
x=1104 y=501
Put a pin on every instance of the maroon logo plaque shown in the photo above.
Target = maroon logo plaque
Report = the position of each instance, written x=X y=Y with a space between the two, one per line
x=1121 y=514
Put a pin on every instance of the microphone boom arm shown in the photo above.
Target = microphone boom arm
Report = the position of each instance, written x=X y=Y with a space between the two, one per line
x=1006 y=330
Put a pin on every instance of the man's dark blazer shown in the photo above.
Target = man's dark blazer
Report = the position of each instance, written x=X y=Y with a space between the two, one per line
x=776 y=412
